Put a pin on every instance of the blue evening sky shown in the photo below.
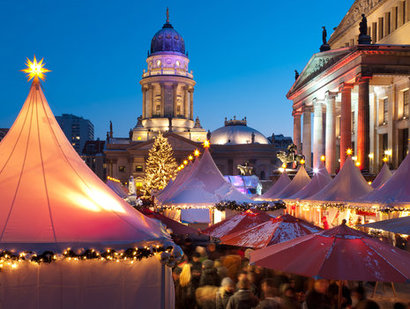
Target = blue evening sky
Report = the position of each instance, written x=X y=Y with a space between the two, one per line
x=243 y=54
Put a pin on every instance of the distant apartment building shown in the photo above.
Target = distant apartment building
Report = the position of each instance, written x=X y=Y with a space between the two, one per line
x=77 y=130
x=3 y=132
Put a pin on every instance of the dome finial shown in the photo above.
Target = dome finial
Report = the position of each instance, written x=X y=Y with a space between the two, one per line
x=167 y=15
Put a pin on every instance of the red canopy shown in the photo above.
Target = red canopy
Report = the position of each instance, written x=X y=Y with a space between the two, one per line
x=274 y=231
x=239 y=222
x=340 y=253
x=175 y=226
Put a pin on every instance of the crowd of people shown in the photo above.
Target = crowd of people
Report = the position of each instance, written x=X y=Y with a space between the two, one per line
x=220 y=277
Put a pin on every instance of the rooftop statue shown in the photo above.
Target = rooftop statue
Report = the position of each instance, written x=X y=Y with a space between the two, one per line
x=245 y=169
x=290 y=156
x=324 y=35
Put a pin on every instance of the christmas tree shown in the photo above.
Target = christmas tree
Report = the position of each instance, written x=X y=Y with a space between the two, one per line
x=160 y=166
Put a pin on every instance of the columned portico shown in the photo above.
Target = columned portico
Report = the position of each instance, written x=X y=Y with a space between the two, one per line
x=345 y=121
x=363 y=123
x=307 y=139
x=317 y=132
x=330 y=132
x=297 y=131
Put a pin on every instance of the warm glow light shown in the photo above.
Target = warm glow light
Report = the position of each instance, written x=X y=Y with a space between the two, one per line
x=385 y=159
x=357 y=163
x=371 y=156
x=35 y=69
x=315 y=170
x=190 y=158
x=179 y=168
x=302 y=161
x=206 y=144
x=388 y=152
x=185 y=162
x=354 y=158
x=349 y=151
x=281 y=169
x=369 y=182
x=322 y=158
x=284 y=165
x=196 y=153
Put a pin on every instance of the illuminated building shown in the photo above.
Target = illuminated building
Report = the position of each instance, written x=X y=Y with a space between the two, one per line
x=358 y=91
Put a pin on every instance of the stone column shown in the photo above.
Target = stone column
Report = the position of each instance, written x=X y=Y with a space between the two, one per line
x=317 y=132
x=151 y=101
x=345 y=121
x=174 y=94
x=144 y=101
x=297 y=130
x=186 y=94
x=307 y=150
x=363 y=123
x=191 y=105
x=330 y=132
x=162 y=113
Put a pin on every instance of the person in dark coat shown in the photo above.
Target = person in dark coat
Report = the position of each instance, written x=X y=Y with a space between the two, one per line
x=243 y=298
x=317 y=298
x=224 y=293
x=184 y=291
x=209 y=274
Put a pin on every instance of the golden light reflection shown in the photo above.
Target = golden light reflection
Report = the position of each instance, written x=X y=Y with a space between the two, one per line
x=96 y=200
x=35 y=69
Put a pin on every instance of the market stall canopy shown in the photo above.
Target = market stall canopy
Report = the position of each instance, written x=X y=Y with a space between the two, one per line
x=274 y=231
x=118 y=188
x=320 y=179
x=382 y=177
x=278 y=186
x=205 y=186
x=340 y=253
x=348 y=185
x=51 y=200
x=397 y=225
x=300 y=180
x=394 y=191
x=239 y=222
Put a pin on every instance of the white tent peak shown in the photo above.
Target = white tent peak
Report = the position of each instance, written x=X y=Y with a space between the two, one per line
x=300 y=180
x=51 y=200
x=320 y=179
x=205 y=185
x=278 y=186
x=395 y=190
x=348 y=185
x=382 y=177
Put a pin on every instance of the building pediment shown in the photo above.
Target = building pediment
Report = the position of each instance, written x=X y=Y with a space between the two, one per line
x=318 y=64
x=177 y=142
x=354 y=15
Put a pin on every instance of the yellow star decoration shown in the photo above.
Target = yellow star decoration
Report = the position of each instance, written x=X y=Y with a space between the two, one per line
x=35 y=69
x=206 y=144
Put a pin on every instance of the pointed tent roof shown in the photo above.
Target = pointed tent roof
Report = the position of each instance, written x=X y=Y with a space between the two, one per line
x=348 y=185
x=205 y=185
x=118 y=188
x=382 y=177
x=174 y=185
x=395 y=190
x=319 y=181
x=51 y=200
x=300 y=180
x=278 y=186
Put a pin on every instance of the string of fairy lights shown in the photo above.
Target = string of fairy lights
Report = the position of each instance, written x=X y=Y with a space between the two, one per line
x=191 y=157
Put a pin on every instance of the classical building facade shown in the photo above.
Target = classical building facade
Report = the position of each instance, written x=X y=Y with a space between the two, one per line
x=356 y=94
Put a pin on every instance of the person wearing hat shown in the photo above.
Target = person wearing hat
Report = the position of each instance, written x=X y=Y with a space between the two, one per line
x=209 y=274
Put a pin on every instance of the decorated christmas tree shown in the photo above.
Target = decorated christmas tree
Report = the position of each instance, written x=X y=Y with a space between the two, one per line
x=160 y=166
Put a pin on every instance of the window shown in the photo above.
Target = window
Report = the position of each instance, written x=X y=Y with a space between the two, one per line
x=385 y=110
x=139 y=168
x=121 y=169
x=374 y=32
x=158 y=63
x=387 y=24
x=381 y=25
x=395 y=17
x=406 y=103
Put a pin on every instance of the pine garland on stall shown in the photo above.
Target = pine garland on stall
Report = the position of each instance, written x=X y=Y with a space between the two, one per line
x=160 y=166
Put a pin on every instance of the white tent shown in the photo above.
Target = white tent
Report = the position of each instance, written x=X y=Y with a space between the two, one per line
x=51 y=201
x=205 y=186
x=348 y=185
x=395 y=190
x=382 y=177
x=397 y=225
x=300 y=180
x=320 y=179
x=117 y=187
x=278 y=186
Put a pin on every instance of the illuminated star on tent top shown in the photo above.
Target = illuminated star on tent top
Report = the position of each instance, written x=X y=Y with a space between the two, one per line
x=35 y=69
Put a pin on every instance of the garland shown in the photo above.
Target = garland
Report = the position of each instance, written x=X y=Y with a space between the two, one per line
x=12 y=259
x=233 y=205
x=343 y=206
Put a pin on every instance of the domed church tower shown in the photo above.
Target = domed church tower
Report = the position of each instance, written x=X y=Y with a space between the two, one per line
x=167 y=90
